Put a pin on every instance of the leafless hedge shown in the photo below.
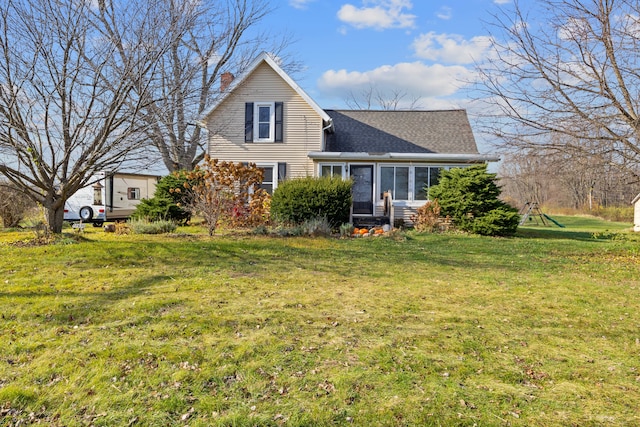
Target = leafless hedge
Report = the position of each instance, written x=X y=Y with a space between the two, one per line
x=14 y=205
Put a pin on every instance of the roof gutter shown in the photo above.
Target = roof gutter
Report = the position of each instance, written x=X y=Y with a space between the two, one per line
x=439 y=157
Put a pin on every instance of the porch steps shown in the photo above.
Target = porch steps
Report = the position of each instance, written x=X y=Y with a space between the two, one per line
x=369 y=221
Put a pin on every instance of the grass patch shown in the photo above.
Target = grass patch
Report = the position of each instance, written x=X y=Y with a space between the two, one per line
x=152 y=227
x=447 y=329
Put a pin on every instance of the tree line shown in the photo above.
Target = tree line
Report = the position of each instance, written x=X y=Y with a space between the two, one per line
x=557 y=180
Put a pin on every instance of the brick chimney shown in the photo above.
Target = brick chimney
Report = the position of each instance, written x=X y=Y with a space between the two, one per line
x=225 y=80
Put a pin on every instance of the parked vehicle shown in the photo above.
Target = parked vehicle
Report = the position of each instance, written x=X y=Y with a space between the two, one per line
x=111 y=196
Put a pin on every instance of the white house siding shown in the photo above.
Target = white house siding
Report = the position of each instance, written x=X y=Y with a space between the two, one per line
x=636 y=213
x=302 y=130
x=403 y=212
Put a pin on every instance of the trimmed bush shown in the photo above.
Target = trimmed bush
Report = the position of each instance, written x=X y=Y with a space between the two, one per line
x=298 y=200
x=470 y=197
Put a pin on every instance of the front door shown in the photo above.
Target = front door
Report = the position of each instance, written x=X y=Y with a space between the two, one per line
x=362 y=176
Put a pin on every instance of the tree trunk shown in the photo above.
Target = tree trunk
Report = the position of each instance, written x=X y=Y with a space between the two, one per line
x=55 y=218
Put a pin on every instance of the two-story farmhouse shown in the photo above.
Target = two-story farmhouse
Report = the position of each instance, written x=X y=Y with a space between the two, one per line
x=264 y=117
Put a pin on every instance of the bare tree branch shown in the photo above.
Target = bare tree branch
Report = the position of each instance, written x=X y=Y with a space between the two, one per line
x=69 y=74
x=373 y=98
x=573 y=71
x=220 y=37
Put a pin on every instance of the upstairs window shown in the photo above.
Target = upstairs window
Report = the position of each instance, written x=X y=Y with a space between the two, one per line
x=263 y=122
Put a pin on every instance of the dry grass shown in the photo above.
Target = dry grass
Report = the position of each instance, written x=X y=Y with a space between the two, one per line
x=107 y=329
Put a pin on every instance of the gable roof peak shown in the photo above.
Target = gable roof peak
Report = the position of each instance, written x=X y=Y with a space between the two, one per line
x=271 y=61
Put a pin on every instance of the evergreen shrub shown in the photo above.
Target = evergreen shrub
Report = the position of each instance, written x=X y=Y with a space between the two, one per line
x=166 y=203
x=299 y=200
x=470 y=196
x=497 y=222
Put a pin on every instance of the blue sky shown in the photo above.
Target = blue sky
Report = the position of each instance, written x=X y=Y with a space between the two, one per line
x=423 y=49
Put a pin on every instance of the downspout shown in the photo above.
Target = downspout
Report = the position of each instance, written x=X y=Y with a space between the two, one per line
x=327 y=127
x=324 y=139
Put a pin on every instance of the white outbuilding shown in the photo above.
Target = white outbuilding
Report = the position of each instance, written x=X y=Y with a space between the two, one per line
x=636 y=213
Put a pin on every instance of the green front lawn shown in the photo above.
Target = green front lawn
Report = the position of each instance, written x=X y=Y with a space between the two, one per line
x=540 y=329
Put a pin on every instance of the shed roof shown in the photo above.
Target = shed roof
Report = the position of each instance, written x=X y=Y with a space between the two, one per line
x=366 y=131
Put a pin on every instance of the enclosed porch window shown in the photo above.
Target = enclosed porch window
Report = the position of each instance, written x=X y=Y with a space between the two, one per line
x=408 y=183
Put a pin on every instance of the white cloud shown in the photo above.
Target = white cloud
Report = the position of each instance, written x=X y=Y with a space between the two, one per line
x=575 y=28
x=378 y=14
x=445 y=13
x=501 y=1
x=451 y=48
x=426 y=83
x=299 y=4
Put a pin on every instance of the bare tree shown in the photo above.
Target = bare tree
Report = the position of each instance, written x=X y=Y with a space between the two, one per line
x=573 y=69
x=221 y=37
x=69 y=74
x=374 y=98
x=524 y=178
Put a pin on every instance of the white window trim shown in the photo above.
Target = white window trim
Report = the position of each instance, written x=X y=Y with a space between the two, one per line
x=411 y=202
x=256 y=122
x=408 y=202
x=274 y=167
x=342 y=165
x=135 y=192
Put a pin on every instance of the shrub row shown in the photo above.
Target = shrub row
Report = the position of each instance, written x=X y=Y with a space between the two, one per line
x=469 y=196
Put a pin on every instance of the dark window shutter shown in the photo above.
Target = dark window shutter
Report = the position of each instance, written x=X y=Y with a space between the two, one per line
x=248 y=122
x=279 y=114
x=282 y=171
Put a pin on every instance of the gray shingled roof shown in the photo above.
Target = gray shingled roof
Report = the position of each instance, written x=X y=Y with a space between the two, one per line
x=364 y=131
